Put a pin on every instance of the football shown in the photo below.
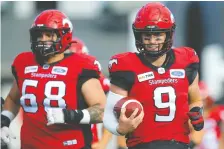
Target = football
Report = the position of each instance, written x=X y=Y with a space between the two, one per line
x=130 y=104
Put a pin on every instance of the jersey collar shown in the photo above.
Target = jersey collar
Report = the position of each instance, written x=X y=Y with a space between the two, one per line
x=170 y=58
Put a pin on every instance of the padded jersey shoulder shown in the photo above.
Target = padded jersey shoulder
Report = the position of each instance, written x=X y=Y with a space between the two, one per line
x=186 y=54
x=22 y=58
x=121 y=62
x=86 y=61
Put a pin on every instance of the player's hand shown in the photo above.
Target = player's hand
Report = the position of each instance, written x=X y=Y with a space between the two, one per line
x=98 y=145
x=6 y=136
x=196 y=117
x=55 y=116
x=127 y=125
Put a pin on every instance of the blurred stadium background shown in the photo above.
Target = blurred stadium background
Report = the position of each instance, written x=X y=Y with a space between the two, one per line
x=105 y=27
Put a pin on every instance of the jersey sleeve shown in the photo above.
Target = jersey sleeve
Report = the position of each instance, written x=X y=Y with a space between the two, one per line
x=120 y=72
x=193 y=64
x=91 y=69
x=105 y=83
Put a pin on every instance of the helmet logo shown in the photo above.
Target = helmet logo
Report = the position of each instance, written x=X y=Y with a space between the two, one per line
x=172 y=17
x=150 y=27
x=97 y=63
x=67 y=21
x=39 y=25
x=85 y=50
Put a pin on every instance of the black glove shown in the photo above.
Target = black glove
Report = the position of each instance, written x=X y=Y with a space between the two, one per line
x=196 y=117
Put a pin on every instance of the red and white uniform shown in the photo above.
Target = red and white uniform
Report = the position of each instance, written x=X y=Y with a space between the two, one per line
x=163 y=92
x=56 y=85
x=212 y=129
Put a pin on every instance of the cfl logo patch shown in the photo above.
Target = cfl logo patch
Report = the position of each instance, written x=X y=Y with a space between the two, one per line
x=70 y=142
x=97 y=63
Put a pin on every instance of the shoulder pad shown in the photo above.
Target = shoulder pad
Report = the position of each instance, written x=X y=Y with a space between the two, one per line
x=188 y=54
x=22 y=57
x=120 y=62
x=192 y=55
x=89 y=62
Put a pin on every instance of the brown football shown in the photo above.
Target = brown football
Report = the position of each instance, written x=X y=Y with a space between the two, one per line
x=130 y=104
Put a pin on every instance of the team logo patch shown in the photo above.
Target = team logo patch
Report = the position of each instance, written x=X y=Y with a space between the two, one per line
x=70 y=142
x=30 y=69
x=111 y=62
x=161 y=70
x=177 y=73
x=59 y=70
x=145 y=76
x=97 y=63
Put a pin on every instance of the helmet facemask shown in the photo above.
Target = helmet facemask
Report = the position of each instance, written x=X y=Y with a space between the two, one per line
x=166 y=45
x=43 y=50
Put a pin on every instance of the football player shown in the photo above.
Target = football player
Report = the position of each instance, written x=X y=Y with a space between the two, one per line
x=210 y=136
x=49 y=82
x=163 y=79
x=79 y=47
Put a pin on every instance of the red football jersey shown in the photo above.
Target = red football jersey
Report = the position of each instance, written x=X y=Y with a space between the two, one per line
x=212 y=129
x=216 y=114
x=95 y=133
x=56 y=85
x=105 y=83
x=163 y=92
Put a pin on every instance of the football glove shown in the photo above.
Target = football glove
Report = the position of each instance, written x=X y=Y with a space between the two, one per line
x=55 y=116
x=6 y=136
x=196 y=117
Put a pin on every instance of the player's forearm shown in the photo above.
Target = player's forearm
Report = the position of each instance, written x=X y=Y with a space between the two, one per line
x=198 y=103
x=10 y=110
x=12 y=101
x=96 y=113
x=194 y=98
x=91 y=115
x=221 y=140
x=11 y=105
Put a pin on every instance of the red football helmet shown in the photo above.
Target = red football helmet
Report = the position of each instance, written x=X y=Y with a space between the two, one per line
x=53 y=21
x=78 y=46
x=154 y=18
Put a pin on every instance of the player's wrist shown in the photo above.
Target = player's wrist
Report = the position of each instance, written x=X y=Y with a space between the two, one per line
x=192 y=144
x=6 y=118
x=5 y=121
x=197 y=109
x=76 y=116
x=120 y=131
